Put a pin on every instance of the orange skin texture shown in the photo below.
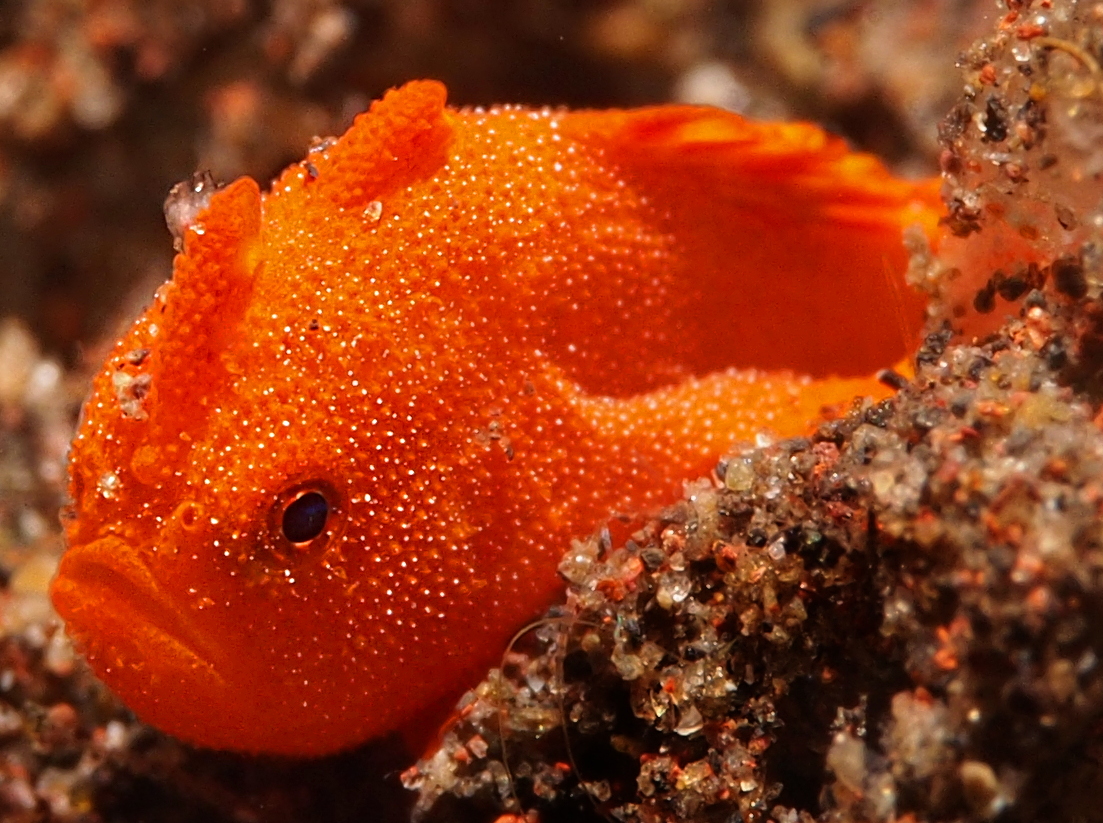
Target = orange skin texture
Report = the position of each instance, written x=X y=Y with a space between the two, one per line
x=556 y=317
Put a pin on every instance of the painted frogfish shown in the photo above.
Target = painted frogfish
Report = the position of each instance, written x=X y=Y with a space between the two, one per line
x=334 y=465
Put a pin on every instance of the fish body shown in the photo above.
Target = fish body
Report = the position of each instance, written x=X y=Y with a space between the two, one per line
x=334 y=465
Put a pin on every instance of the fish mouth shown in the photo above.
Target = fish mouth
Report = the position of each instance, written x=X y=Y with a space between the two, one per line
x=116 y=610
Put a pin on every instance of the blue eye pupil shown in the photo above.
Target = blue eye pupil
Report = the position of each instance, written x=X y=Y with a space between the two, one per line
x=305 y=517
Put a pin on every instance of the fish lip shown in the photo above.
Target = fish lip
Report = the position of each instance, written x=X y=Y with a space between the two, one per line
x=118 y=588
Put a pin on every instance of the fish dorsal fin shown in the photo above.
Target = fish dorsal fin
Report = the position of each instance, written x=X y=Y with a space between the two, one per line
x=401 y=139
x=777 y=165
x=796 y=238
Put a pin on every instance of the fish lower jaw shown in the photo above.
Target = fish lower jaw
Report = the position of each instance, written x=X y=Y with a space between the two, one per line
x=125 y=624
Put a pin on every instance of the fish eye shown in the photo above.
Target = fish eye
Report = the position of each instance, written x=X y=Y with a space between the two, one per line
x=305 y=519
x=304 y=516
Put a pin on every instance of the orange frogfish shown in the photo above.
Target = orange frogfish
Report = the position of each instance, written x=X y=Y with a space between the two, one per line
x=334 y=465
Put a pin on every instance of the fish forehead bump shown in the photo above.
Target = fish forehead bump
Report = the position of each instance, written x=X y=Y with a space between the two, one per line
x=200 y=311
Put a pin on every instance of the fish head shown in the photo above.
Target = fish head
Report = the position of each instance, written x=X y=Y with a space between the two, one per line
x=242 y=563
x=205 y=562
